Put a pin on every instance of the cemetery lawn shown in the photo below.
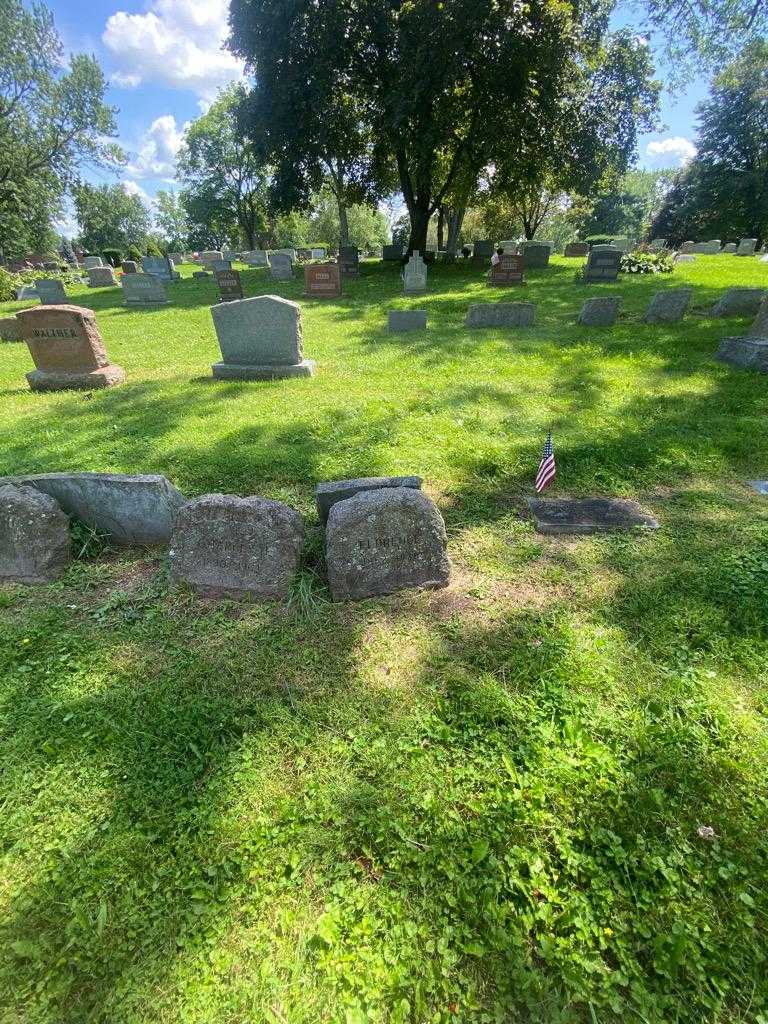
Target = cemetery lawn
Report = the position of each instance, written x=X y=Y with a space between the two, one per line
x=478 y=804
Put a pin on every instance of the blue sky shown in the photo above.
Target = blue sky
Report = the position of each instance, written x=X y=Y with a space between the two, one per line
x=165 y=63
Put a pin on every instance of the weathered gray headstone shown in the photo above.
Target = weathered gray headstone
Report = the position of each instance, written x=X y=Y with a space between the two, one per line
x=331 y=491
x=501 y=314
x=28 y=291
x=208 y=256
x=143 y=290
x=600 y=312
x=383 y=541
x=536 y=255
x=401 y=320
x=260 y=339
x=201 y=273
x=89 y=262
x=50 y=290
x=576 y=249
x=602 y=265
x=392 y=253
x=217 y=265
x=414 y=275
x=710 y=248
x=67 y=348
x=588 y=515
x=10 y=329
x=280 y=266
x=129 y=267
x=482 y=250
x=131 y=510
x=745 y=352
x=317 y=254
x=736 y=301
x=621 y=242
x=256 y=258
x=730 y=247
x=510 y=247
x=160 y=267
x=101 y=277
x=746 y=247
x=35 y=545
x=687 y=248
x=669 y=306
x=223 y=545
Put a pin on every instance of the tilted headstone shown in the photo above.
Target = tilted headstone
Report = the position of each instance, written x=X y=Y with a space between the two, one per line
x=383 y=541
x=230 y=285
x=50 y=291
x=89 y=262
x=746 y=247
x=35 y=543
x=101 y=277
x=536 y=255
x=600 y=312
x=657 y=244
x=750 y=351
x=280 y=266
x=588 y=515
x=329 y=492
x=509 y=271
x=223 y=545
x=602 y=265
x=322 y=281
x=668 y=307
x=501 y=314
x=131 y=509
x=482 y=250
x=577 y=249
x=160 y=267
x=67 y=349
x=401 y=320
x=730 y=247
x=736 y=301
x=143 y=290
x=10 y=329
x=392 y=253
x=260 y=339
x=414 y=275
x=349 y=261
x=129 y=267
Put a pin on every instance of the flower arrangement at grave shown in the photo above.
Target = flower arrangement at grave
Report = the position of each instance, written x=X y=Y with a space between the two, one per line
x=642 y=262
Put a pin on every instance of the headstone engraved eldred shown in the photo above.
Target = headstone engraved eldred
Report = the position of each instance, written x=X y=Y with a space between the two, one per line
x=329 y=492
x=35 y=545
x=260 y=339
x=223 y=545
x=67 y=349
x=380 y=542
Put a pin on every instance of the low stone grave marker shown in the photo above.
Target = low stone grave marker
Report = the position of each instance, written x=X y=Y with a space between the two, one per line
x=225 y=546
x=349 y=261
x=510 y=247
x=684 y=258
x=746 y=247
x=383 y=541
x=687 y=248
x=129 y=267
x=588 y=515
x=280 y=266
x=730 y=247
x=35 y=544
x=143 y=290
x=28 y=291
x=749 y=351
x=229 y=254
x=201 y=274
x=131 y=509
x=501 y=314
x=577 y=249
x=101 y=277
x=256 y=258
x=401 y=320
x=668 y=307
x=322 y=280
x=508 y=272
x=67 y=349
x=602 y=265
x=260 y=339
x=600 y=312
x=710 y=248
x=329 y=492
x=536 y=255
x=89 y=262
x=230 y=285
x=10 y=329
x=736 y=301
x=415 y=275
x=392 y=253
x=50 y=291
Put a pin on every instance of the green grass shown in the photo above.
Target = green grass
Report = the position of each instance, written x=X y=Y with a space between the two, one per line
x=475 y=805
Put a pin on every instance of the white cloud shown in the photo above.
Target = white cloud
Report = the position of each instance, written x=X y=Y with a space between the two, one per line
x=125 y=81
x=155 y=154
x=674 y=150
x=178 y=42
x=132 y=188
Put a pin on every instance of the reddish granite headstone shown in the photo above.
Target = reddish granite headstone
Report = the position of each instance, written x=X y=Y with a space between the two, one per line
x=67 y=349
x=322 y=280
x=508 y=271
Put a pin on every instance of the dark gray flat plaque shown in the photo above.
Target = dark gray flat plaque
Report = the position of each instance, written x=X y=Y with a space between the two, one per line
x=588 y=515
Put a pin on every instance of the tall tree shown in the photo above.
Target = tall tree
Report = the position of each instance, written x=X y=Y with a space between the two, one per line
x=171 y=218
x=443 y=88
x=216 y=160
x=110 y=218
x=53 y=118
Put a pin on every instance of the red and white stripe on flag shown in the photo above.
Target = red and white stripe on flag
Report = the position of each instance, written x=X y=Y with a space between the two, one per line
x=547 y=469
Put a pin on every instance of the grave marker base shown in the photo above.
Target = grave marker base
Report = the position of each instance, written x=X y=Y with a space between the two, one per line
x=50 y=380
x=236 y=371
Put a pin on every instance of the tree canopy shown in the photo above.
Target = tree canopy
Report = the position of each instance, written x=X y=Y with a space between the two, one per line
x=110 y=218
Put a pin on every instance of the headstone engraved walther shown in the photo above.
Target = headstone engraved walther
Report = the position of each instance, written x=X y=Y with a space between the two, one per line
x=35 y=544
x=143 y=290
x=67 y=349
x=508 y=271
x=383 y=541
x=349 y=261
x=322 y=280
x=51 y=291
x=414 y=275
x=227 y=546
x=230 y=285
x=602 y=265
x=260 y=339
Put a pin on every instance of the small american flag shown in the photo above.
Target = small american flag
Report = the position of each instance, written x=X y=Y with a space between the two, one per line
x=547 y=470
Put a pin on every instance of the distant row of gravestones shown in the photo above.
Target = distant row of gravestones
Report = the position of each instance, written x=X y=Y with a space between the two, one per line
x=261 y=338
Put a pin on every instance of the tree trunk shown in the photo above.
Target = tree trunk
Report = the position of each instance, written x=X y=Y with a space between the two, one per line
x=455 y=220
x=419 y=214
x=343 y=220
x=440 y=227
